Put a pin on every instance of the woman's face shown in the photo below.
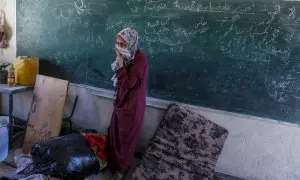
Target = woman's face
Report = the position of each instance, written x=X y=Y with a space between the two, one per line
x=121 y=43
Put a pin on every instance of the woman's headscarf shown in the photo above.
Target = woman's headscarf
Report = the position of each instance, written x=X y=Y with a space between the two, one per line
x=131 y=37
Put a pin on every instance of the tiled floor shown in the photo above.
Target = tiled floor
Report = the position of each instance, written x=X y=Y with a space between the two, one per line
x=8 y=171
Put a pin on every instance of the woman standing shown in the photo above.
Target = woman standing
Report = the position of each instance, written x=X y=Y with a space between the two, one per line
x=130 y=80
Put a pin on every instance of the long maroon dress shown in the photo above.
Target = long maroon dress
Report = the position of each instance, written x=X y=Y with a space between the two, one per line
x=128 y=114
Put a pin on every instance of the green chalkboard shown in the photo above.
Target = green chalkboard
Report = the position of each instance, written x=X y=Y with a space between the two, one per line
x=234 y=55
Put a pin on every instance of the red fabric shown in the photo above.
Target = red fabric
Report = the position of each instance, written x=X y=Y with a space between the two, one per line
x=128 y=114
x=98 y=143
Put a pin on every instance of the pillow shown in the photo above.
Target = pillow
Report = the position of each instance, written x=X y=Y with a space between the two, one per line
x=186 y=146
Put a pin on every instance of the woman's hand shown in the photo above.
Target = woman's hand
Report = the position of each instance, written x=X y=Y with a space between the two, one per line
x=120 y=58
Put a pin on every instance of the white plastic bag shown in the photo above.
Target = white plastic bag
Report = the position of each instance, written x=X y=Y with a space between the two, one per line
x=36 y=177
x=23 y=161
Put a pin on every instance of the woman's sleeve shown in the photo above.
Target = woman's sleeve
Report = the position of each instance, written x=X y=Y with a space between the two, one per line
x=129 y=79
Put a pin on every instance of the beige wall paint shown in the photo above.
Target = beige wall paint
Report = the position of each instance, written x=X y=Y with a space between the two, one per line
x=256 y=148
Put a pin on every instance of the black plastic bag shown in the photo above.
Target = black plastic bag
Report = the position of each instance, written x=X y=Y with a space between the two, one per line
x=65 y=157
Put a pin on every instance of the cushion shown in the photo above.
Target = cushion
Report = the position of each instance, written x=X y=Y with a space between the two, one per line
x=186 y=146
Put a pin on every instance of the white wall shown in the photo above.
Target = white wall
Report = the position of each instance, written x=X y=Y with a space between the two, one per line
x=255 y=149
x=9 y=54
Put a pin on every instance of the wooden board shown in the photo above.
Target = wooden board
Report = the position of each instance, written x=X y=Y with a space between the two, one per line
x=47 y=108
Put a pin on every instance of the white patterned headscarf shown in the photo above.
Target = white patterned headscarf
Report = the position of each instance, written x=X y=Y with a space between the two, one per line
x=131 y=37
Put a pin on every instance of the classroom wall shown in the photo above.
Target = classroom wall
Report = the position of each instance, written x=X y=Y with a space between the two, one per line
x=7 y=55
x=256 y=148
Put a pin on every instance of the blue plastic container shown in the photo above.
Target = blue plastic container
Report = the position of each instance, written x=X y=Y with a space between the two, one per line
x=3 y=137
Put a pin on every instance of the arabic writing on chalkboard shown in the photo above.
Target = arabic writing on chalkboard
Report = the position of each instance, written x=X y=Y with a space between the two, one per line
x=226 y=54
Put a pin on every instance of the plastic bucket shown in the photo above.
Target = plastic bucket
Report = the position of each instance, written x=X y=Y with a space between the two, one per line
x=3 y=137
